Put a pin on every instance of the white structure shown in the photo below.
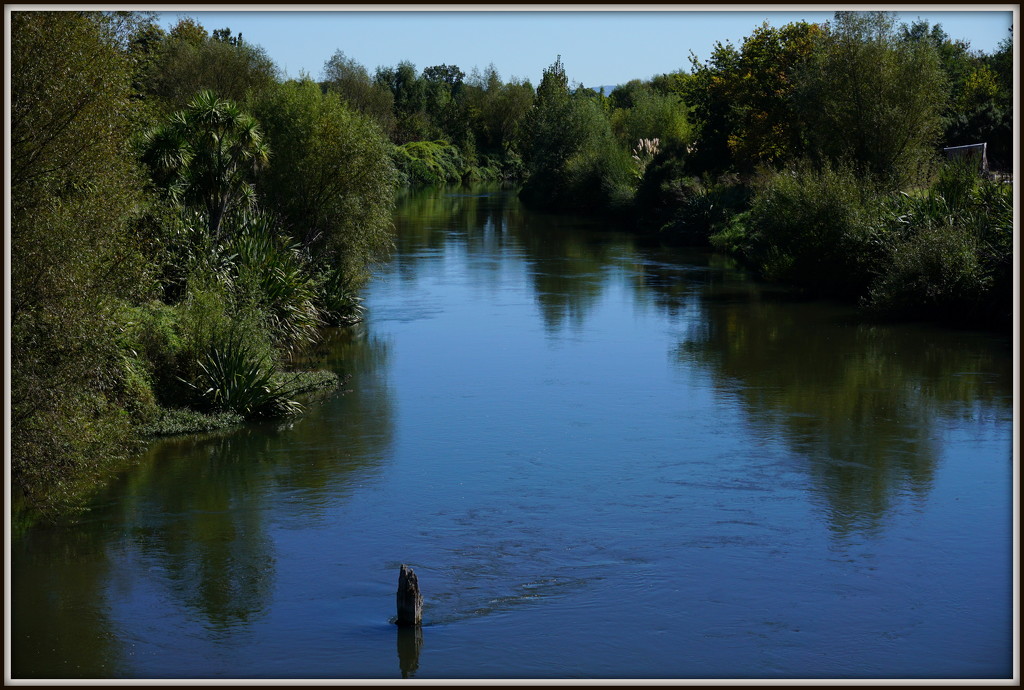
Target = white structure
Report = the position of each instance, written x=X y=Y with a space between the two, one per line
x=977 y=152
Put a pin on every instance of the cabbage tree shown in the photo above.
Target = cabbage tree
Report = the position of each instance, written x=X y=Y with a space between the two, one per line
x=206 y=155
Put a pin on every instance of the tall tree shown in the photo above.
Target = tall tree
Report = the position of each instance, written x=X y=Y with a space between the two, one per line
x=410 y=98
x=573 y=159
x=742 y=98
x=350 y=80
x=445 y=104
x=979 y=106
x=872 y=99
x=74 y=190
x=332 y=179
x=189 y=61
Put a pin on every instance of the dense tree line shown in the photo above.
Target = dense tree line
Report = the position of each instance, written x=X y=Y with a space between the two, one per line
x=184 y=219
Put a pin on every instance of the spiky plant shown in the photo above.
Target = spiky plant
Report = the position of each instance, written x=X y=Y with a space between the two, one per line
x=275 y=273
x=231 y=376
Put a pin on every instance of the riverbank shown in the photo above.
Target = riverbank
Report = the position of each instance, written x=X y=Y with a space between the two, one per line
x=939 y=253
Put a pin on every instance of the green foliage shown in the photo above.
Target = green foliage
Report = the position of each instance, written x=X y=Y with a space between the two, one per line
x=554 y=133
x=872 y=100
x=815 y=227
x=332 y=180
x=73 y=191
x=232 y=375
x=933 y=273
x=650 y=115
x=445 y=105
x=979 y=90
x=948 y=252
x=351 y=81
x=600 y=173
x=176 y=421
x=498 y=113
x=272 y=273
x=573 y=158
x=338 y=301
x=206 y=155
x=188 y=61
x=429 y=162
x=695 y=209
x=150 y=337
x=944 y=253
x=742 y=99
x=409 y=90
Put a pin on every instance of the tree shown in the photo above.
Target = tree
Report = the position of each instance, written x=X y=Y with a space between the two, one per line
x=206 y=155
x=351 y=81
x=552 y=135
x=445 y=104
x=640 y=112
x=979 y=106
x=189 y=61
x=410 y=97
x=497 y=110
x=332 y=179
x=572 y=157
x=74 y=191
x=742 y=98
x=871 y=99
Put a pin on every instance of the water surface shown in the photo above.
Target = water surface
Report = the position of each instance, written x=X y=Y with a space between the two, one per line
x=603 y=458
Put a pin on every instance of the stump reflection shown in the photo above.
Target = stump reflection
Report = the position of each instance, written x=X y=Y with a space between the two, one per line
x=410 y=639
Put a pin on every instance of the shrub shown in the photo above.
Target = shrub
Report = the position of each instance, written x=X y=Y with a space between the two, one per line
x=697 y=209
x=338 y=299
x=935 y=273
x=429 y=162
x=948 y=252
x=234 y=376
x=273 y=274
x=816 y=228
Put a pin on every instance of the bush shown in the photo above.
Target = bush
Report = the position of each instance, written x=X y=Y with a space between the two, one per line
x=948 y=252
x=935 y=273
x=233 y=376
x=696 y=209
x=429 y=162
x=815 y=228
x=272 y=273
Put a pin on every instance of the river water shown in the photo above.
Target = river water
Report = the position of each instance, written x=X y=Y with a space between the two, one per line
x=603 y=459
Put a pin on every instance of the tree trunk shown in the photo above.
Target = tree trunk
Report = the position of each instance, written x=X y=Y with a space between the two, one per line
x=409 y=599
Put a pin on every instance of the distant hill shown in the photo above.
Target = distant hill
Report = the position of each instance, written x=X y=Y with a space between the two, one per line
x=604 y=89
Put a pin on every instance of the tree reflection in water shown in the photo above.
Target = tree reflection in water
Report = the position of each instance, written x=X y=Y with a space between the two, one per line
x=861 y=404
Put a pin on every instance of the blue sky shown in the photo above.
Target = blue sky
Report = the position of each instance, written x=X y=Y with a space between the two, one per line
x=597 y=47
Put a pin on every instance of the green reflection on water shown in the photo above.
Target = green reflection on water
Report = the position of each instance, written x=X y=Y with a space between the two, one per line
x=861 y=404
x=193 y=511
x=60 y=626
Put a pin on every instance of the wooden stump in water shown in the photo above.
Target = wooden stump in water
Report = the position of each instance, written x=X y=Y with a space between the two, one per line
x=409 y=599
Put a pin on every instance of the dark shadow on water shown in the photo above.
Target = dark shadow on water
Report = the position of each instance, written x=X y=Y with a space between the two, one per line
x=410 y=640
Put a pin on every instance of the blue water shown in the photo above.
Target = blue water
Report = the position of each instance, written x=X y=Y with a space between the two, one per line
x=603 y=459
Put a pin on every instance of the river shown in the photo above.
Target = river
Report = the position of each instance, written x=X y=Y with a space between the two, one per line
x=603 y=458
